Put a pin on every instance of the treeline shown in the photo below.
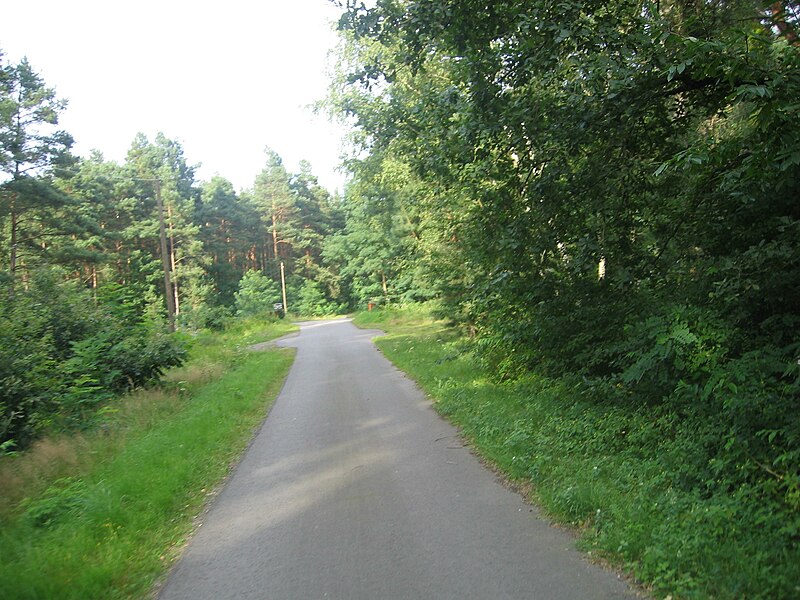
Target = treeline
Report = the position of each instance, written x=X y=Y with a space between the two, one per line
x=83 y=306
x=605 y=193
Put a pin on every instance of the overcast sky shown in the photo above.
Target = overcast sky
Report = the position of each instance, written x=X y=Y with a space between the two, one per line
x=225 y=79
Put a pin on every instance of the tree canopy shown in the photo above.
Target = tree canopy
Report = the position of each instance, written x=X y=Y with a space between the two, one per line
x=603 y=192
x=84 y=296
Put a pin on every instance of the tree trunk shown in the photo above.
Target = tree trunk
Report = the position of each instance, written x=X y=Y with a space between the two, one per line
x=274 y=232
x=168 y=297
x=253 y=258
x=172 y=261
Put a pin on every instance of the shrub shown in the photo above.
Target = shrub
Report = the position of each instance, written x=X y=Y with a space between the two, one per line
x=312 y=302
x=63 y=352
x=257 y=295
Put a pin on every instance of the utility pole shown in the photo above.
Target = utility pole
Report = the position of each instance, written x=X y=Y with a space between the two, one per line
x=165 y=258
x=283 y=289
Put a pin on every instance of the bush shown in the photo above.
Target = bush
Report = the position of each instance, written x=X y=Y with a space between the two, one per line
x=28 y=382
x=312 y=302
x=205 y=316
x=63 y=352
x=257 y=295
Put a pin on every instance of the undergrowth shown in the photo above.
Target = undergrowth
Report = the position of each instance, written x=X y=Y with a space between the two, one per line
x=632 y=479
x=103 y=513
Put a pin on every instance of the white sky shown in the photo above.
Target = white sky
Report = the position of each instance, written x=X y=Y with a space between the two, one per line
x=225 y=79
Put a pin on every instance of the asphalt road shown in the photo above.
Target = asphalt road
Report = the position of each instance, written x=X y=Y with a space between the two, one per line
x=355 y=488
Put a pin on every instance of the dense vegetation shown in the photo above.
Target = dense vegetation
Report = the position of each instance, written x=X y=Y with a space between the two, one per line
x=603 y=468
x=104 y=513
x=84 y=312
x=601 y=195
x=100 y=262
x=605 y=194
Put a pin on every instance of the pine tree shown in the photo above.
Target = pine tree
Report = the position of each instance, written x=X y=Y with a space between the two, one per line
x=32 y=150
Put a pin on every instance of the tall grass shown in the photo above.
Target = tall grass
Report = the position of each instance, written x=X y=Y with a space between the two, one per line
x=617 y=473
x=103 y=514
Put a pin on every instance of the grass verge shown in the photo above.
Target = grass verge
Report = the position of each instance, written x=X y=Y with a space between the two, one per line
x=620 y=474
x=105 y=513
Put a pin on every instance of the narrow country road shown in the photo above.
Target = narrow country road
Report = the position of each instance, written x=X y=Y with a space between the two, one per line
x=356 y=489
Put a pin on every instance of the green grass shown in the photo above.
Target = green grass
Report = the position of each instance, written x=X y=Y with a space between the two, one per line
x=619 y=474
x=109 y=525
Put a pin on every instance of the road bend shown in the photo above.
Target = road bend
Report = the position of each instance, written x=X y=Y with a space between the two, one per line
x=355 y=488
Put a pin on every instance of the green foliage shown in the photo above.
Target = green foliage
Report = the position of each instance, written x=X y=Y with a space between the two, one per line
x=28 y=380
x=684 y=344
x=205 y=316
x=376 y=253
x=572 y=178
x=311 y=301
x=229 y=228
x=257 y=295
x=83 y=298
x=32 y=210
x=29 y=111
x=65 y=352
x=695 y=496
x=606 y=195
x=65 y=498
x=114 y=528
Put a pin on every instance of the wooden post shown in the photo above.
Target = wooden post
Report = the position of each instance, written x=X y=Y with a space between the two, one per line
x=283 y=288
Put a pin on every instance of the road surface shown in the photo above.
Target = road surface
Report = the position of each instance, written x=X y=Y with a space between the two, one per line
x=356 y=489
